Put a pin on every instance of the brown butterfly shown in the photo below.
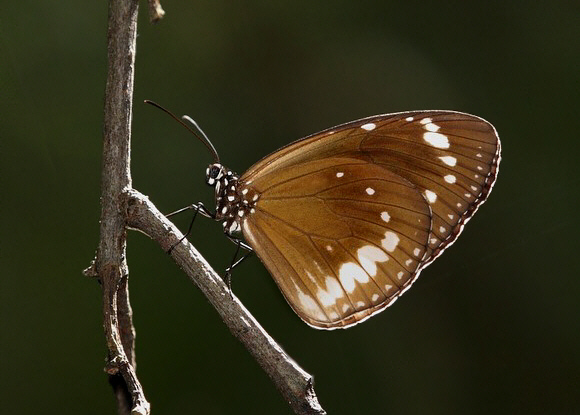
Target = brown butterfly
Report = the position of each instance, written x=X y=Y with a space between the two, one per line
x=346 y=219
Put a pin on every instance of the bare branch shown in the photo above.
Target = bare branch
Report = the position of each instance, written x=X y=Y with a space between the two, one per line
x=293 y=382
x=110 y=265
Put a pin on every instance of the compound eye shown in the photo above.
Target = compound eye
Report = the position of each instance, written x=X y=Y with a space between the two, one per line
x=214 y=171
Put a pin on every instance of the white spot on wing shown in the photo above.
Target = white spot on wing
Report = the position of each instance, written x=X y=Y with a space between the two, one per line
x=450 y=178
x=409 y=119
x=369 y=127
x=332 y=292
x=339 y=174
x=426 y=120
x=309 y=304
x=436 y=139
x=385 y=216
x=370 y=191
x=431 y=196
x=416 y=251
x=368 y=256
x=375 y=297
x=350 y=272
x=391 y=241
x=432 y=127
x=449 y=160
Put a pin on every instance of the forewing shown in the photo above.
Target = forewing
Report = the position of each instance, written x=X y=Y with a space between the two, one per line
x=343 y=237
x=452 y=158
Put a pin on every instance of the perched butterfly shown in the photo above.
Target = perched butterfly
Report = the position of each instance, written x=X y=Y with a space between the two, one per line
x=346 y=219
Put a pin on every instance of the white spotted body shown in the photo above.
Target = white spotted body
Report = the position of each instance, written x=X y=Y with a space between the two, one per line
x=232 y=203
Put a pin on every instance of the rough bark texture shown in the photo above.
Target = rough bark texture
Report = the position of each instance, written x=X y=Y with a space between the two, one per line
x=110 y=264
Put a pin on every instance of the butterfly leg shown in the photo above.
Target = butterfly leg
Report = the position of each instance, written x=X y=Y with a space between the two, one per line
x=199 y=208
x=235 y=260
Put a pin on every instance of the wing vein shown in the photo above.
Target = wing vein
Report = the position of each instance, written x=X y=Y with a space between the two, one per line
x=380 y=225
x=306 y=174
x=315 y=297
x=362 y=267
x=334 y=272
x=390 y=257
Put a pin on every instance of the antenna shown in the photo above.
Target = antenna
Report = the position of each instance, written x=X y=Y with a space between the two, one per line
x=199 y=134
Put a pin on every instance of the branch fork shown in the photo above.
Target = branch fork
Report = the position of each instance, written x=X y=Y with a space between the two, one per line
x=123 y=207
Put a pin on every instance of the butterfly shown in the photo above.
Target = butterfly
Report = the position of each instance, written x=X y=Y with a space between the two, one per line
x=346 y=219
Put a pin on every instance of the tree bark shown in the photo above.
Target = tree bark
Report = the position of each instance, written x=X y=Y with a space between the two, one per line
x=110 y=264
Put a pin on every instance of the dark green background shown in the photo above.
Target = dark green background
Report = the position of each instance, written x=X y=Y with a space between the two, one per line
x=493 y=326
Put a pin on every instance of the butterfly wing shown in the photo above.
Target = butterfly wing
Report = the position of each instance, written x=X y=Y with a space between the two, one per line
x=319 y=223
x=342 y=239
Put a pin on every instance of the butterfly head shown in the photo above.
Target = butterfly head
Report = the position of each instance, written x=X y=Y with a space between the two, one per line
x=214 y=174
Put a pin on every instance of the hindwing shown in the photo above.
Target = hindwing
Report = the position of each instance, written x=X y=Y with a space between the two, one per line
x=342 y=238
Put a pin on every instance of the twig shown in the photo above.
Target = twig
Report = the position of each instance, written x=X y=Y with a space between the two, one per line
x=293 y=382
x=110 y=264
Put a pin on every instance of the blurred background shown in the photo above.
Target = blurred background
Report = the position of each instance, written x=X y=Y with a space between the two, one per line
x=493 y=326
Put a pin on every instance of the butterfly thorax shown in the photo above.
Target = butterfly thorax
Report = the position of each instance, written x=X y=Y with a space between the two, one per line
x=234 y=201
